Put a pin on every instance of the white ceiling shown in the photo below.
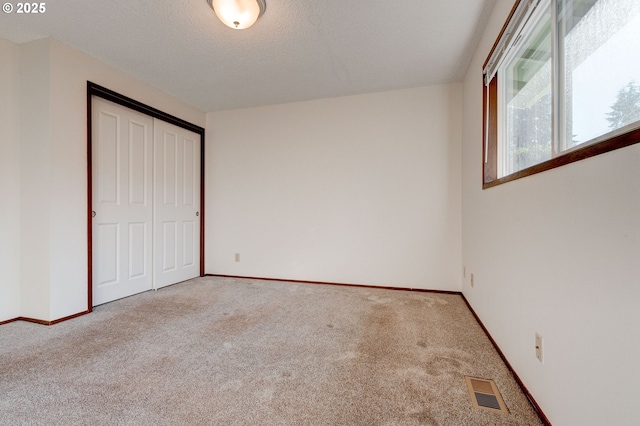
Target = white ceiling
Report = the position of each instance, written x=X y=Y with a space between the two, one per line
x=299 y=49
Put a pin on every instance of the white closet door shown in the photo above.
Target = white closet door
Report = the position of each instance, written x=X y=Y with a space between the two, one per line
x=122 y=155
x=177 y=204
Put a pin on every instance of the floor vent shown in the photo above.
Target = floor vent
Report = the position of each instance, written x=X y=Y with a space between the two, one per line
x=485 y=395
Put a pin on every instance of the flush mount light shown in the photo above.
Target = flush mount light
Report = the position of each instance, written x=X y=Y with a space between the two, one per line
x=238 y=14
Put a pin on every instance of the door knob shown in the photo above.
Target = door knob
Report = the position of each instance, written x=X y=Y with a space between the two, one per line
x=197 y=213
x=93 y=213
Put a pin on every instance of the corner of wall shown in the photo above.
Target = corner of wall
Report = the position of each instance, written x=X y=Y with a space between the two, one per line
x=9 y=181
x=35 y=176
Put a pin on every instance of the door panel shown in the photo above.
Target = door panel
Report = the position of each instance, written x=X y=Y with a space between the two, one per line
x=107 y=165
x=189 y=234
x=170 y=166
x=138 y=165
x=189 y=172
x=137 y=250
x=177 y=185
x=122 y=187
x=169 y=239
x=109 y=248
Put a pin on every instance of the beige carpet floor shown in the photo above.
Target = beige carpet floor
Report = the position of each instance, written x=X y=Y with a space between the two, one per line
x=222 y=351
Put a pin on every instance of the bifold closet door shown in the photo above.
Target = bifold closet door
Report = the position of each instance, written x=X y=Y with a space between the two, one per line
x=122 y=192
x=176 y=205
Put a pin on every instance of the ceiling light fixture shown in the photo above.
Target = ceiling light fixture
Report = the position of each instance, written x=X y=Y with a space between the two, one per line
x=238 y=14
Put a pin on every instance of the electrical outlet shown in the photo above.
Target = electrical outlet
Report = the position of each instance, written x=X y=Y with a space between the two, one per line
x=237 y=257
x=539 y=347
x=464 y=272
x=472 y=281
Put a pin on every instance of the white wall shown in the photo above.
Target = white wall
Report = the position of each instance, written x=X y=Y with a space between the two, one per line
x=53 y=171
x=35 y=175
x=557 y=253
x=9 y=182
x=362 y=189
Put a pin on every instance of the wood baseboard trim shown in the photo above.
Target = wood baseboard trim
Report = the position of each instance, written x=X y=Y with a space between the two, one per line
x=526 y=392
x=338 y=284
x=79 y=314
x=8 y=321
x=43 y=322
x=34 y=320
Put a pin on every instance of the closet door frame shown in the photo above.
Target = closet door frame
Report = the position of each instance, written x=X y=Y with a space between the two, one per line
x=104 y=93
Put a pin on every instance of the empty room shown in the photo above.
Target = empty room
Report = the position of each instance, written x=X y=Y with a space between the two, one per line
x=320 y=212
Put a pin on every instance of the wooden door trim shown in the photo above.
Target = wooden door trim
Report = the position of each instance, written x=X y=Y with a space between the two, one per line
x=117 y=98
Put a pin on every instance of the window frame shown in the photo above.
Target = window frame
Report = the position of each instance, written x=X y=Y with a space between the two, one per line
x=490 y=126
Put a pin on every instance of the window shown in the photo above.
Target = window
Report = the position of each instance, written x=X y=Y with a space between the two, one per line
x=562 y=83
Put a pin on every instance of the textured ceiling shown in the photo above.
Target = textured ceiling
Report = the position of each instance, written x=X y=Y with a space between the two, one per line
x=299 y=49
